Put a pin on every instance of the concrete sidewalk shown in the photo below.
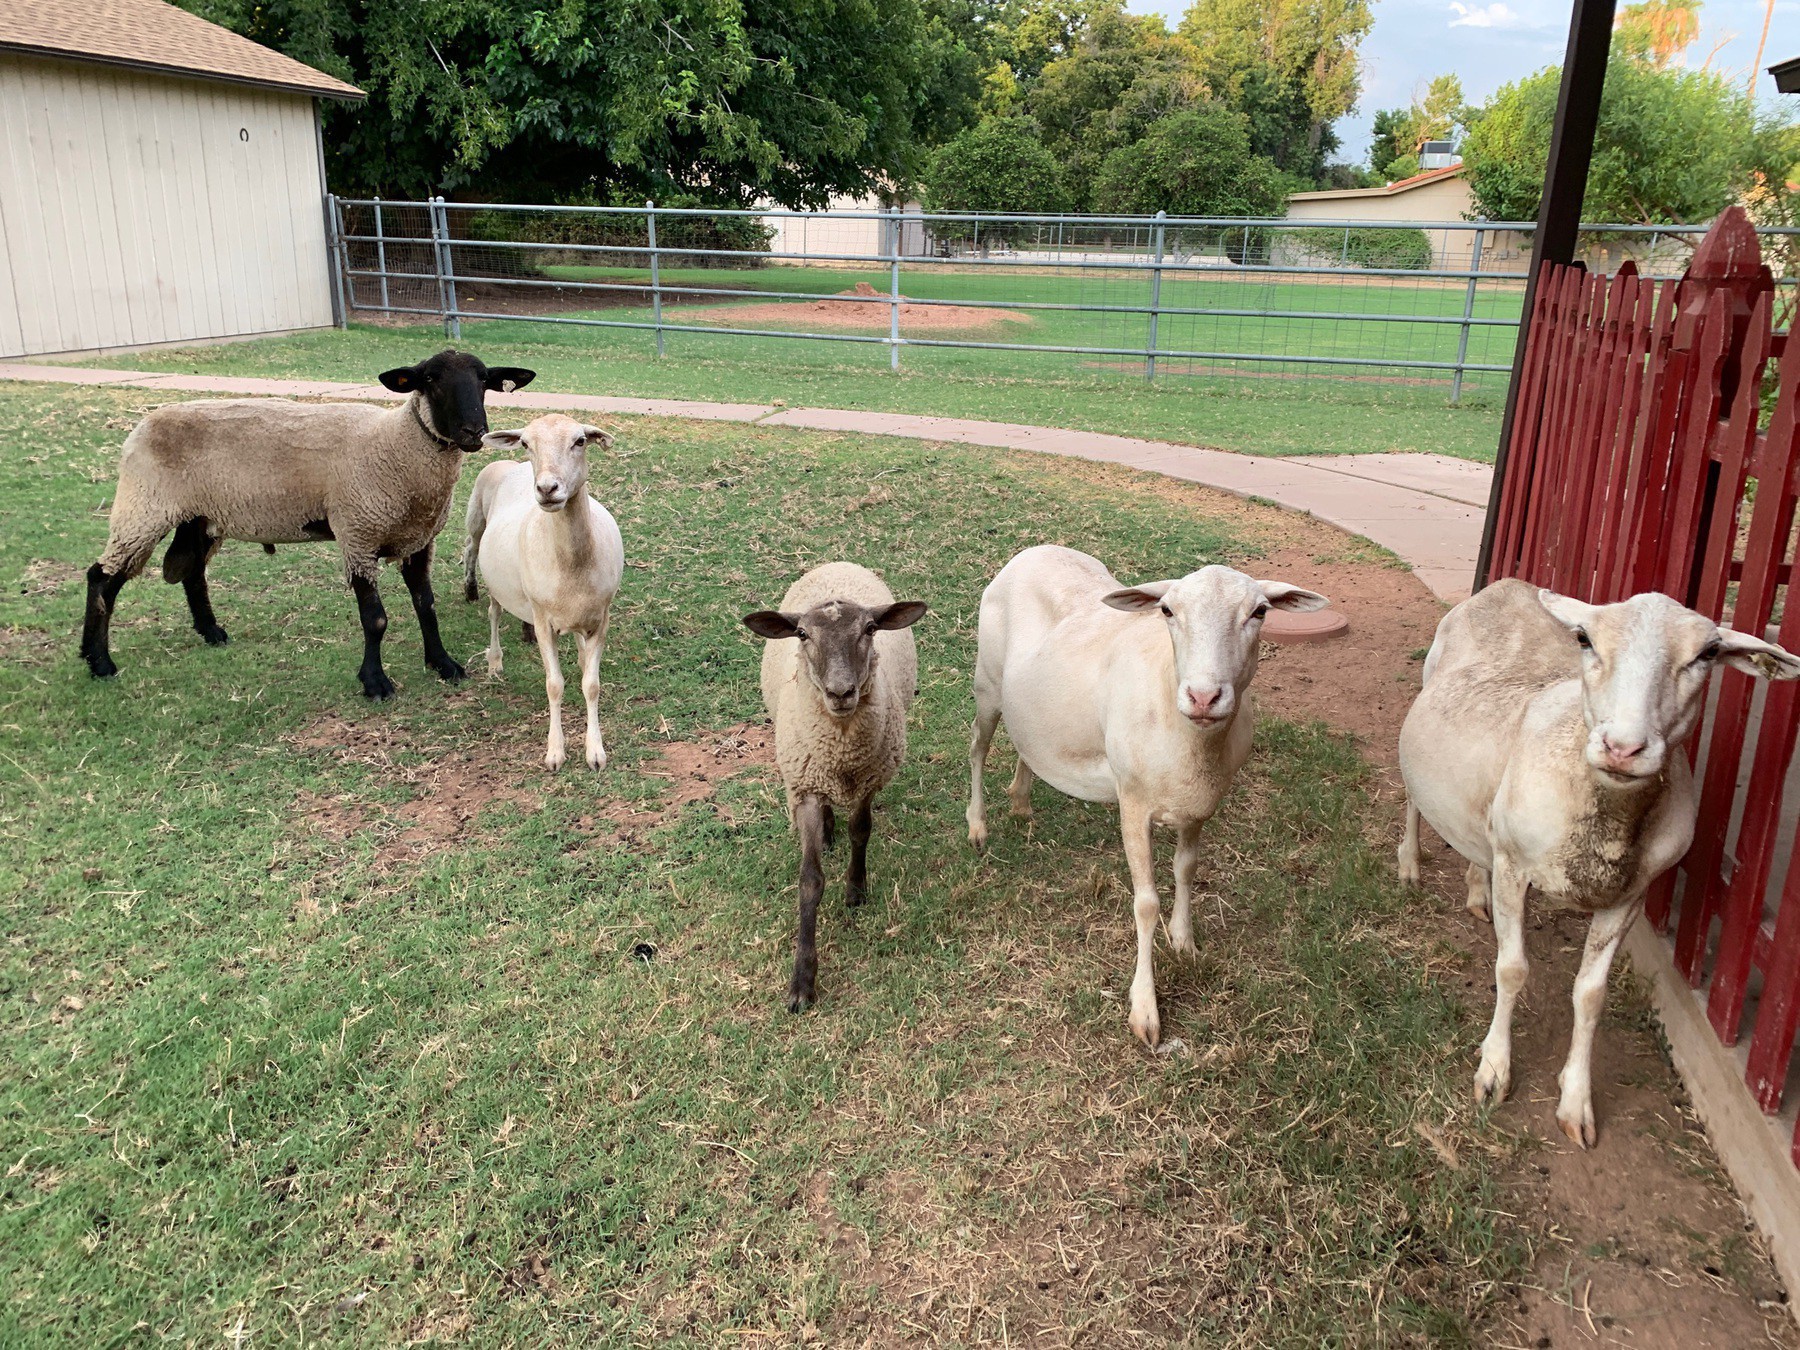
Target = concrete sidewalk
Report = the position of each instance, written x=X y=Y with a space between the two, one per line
x=1428 y=509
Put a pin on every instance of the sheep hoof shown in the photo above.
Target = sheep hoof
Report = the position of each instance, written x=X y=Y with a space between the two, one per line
x=448 y=669
x=978 y=835
x=376 y=685
x=1481 y=912
x=1579 y=1126
x=1491 y=1083
x=553 y=760
x=469 y=592
x=798 y=1002
x=854 y=896
x=101 y=667
x=215 y=636
x=596 y=760
x=1409 y=870
x=1147 y=1026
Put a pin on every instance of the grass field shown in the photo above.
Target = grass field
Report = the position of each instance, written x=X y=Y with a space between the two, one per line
x=325 y=1022
x=1262 y=409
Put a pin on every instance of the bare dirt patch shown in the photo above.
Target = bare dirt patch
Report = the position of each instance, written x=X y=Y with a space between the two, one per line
x=455 y=784
x=867 y=310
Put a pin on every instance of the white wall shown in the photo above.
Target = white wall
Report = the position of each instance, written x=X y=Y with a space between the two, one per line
x=1448 y=199
x=134 y=210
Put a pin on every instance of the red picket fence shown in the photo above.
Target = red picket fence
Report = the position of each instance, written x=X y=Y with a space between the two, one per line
x=1642 y=459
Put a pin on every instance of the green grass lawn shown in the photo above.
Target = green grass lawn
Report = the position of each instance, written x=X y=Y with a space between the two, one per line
x=325 y=1023
x=1263 y=409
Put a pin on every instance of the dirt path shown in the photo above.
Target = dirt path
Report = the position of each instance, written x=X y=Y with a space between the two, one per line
x=1641 y=1242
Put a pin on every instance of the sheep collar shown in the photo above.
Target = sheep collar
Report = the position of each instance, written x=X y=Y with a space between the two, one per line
x=443 y=441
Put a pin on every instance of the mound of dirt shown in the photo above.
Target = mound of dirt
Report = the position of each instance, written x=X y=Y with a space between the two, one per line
x=864 y=309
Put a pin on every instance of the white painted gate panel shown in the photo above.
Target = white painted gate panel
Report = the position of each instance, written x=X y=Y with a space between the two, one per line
x=139 y=208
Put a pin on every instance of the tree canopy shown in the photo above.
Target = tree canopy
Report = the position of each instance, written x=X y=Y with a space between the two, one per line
x=1195 y=162
x=729 y=100
x=1673 y=146
x=1290 y=66
x=999 y=164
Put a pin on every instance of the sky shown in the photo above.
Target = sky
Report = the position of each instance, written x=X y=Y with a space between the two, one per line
x=1493 y=42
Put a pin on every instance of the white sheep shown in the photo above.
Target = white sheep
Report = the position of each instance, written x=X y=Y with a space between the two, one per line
x=838 y=675
x=272 y=471
x=1546 y=748
x=551 y=555
x=1108 y=705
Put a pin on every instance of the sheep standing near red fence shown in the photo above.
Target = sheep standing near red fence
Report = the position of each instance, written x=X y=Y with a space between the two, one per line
x=1642 y=459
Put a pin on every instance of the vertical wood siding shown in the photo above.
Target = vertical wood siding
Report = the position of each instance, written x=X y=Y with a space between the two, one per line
x=133 y=209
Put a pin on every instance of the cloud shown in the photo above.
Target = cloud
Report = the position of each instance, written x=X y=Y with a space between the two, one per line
x=1495 y=15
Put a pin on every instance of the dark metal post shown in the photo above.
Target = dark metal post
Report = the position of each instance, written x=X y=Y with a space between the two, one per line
x=339 y=259
x=1559 y=214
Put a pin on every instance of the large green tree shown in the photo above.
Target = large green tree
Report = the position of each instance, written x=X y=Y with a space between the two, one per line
x=1124 y=73
x=555 y=100
x=1290 y=66
x=1673 y=147
x=1196 y=162
x=1000 y=164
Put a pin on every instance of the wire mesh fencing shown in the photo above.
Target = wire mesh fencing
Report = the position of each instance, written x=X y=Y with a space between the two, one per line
x=1433 y=304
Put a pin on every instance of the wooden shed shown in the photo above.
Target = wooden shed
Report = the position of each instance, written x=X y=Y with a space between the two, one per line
x=161 y=180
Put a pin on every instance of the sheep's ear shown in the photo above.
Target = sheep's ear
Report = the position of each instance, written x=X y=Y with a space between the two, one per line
x=772 y=623
x=1136 y=598
x=1753 y=656
x=401 y=379
x=900 y=614
x=505 y=379
x=503 y=440
x=1281 y=595
x=1566 y=610
x=595 y=434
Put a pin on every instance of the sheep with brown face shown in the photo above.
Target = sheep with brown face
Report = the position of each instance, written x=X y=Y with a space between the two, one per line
x=838 y=675
x=272 y=471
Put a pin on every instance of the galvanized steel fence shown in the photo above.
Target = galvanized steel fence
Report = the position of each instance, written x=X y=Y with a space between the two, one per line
x=1413 y=303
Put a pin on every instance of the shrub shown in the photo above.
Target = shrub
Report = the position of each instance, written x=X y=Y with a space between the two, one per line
x=1407 y=248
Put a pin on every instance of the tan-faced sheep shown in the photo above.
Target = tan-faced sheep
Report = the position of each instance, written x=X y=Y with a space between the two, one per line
x=838 y=675
x=550 y=554
x=1546 y=747
x=1138 y=695
x=272 y=471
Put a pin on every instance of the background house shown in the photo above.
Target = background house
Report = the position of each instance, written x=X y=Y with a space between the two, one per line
x=1433 y=196
x=161 y=180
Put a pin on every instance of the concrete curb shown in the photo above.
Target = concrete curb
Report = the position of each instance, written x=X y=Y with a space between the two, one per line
x=1427 y=509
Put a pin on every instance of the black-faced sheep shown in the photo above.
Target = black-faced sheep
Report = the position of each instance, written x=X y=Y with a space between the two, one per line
x=272 y=471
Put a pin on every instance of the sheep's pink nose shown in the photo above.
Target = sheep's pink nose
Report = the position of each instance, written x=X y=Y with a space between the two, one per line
x=548 y=488
x=1620 y=752
x=1205 y=701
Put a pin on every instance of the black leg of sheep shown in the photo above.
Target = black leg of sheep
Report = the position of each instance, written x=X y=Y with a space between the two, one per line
x=416 y=571
x=809 y=818
x=375 y=683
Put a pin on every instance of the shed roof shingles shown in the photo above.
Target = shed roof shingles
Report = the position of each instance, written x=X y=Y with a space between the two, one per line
x=149 y=34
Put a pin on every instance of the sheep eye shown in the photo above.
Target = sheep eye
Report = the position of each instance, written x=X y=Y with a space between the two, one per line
x=1583 y=641
x=1709 y=653
x=1259 y=611
x=871 y=628
x=1167 y=613
x=800 y=633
